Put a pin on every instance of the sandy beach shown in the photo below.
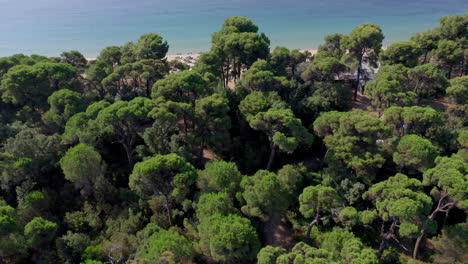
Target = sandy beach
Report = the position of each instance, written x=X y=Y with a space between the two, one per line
x=191 y=58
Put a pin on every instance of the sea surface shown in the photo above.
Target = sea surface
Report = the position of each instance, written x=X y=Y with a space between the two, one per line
x=49 y=27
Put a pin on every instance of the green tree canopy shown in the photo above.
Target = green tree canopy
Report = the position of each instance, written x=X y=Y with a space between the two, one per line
x=154 y=247
x=363 y=41
x=324 y=69
x=412 y=120
x=451 y=245
x=83 y=166
x=74 y=58
x=31 y=85
x=239 y=45
x=352 y=138
x=318 y=203
x=458 y=90
x=333 y=46
x=228 y=238
x=416 y=152
x=402 y=206
x=134 y=79
x=427 y=81
x=182 y=87
x=63 y=105
x=214 y=203
x=406 y=53
x=169 y=176
x=39 y=232
x=151 y=46
x=390 y=87
x=124 y=120
x=261 y=201
x=219 y=176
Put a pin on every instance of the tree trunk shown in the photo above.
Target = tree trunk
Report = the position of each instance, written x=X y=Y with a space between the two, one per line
x=169 y=210
x=382 y=247
x=272 y=157
x=425 y=57
x=129 y=153
x=162 y=143
x=418 y=242
x=309 y=229
x=356 y=87
x=441 y=207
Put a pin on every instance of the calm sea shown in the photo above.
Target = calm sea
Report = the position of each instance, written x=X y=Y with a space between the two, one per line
x=49 y=27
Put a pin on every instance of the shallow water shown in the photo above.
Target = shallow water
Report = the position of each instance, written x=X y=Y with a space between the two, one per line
x=49 y=27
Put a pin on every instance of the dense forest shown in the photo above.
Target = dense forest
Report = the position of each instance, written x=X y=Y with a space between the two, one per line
x=356 y=154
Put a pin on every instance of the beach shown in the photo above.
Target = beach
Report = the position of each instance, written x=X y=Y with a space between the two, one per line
x=190 y=58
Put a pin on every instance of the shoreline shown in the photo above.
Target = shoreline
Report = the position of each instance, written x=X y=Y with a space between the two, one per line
x=190 y=58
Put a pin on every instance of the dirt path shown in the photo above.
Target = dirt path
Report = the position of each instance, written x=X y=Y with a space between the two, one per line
x=278 y=233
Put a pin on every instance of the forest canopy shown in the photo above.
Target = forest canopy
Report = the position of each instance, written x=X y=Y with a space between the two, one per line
x=357 y=153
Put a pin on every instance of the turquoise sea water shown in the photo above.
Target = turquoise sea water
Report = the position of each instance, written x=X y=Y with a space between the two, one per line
x=49 y=27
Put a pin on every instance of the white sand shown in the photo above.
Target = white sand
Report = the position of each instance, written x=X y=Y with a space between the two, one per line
x=191 y=58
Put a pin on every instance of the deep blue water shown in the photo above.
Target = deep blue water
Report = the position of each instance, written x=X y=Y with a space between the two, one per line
x=49 y=27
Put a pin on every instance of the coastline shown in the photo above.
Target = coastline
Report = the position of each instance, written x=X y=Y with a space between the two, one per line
x=190 y=58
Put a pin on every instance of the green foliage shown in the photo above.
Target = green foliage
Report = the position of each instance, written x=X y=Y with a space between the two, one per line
x=318 y=200
x=400 y=200
x=402 y=52
x=326 y=97
x=284 y=130
x=337 y=246
x=260 y=77
x=291 y=178
x=63 y=105
x=83 y=166
x=124 y=120
x=228 y=238
x=334 y=46
x=182 y=87
x=353 y=139
x=34 y=204
x=7 y=220
x=416 y=120
x=390 y=88
x=269 y=254
x=151 y=46
x=134 y=79
x=219 y=176
x=363 y=41
x=214 y=203
x=451 y=245
x=82 y=127
x=41 y=149
x=155 y=246
x=67 y=125
x=208 y=62
x=167 y=175
x=324 y=69
x=213 y=122
x=260 y=200
x=415 y=151
x=428 y=81
x=448 y=53
x=74 y=58
x=40 y=232
x=71 y=246
x=458 y=90
x=31 y=85
x=448 y=178
x=238 y=45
